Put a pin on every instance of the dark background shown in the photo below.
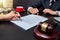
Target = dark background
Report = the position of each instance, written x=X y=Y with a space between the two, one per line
x=24 y=3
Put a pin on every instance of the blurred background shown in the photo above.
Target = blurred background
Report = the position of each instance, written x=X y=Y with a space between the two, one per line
x=14 y=3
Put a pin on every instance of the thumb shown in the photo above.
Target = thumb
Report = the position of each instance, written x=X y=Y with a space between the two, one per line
x=18 y=14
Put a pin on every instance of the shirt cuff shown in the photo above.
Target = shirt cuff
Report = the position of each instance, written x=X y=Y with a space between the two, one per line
x=29 y=8
x=58 y=13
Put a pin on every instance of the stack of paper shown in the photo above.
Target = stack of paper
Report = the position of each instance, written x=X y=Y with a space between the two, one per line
x=29 y=21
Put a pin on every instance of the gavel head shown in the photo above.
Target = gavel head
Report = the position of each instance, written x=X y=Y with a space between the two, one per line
x=46 y=27
x=20 y=9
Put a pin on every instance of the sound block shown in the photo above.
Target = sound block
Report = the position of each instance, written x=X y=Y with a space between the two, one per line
x=40 y=35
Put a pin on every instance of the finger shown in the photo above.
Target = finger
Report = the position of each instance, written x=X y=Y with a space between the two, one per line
x=18 y=14
x=15 y=18
x=37 y=10
x=45 y=11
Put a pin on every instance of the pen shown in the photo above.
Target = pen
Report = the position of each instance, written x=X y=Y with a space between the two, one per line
x=19 y=16
x=37 y=13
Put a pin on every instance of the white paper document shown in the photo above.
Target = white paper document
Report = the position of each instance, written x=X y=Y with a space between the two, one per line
x=57 y=18
x=29 y=21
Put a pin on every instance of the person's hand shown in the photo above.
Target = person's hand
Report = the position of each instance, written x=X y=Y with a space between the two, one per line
x=33 y=10
x=12 y=16
x=49 y=11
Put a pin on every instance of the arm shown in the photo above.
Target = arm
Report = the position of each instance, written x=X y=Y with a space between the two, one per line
x=51 y=12
x=9 y=16
x=34 y=8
